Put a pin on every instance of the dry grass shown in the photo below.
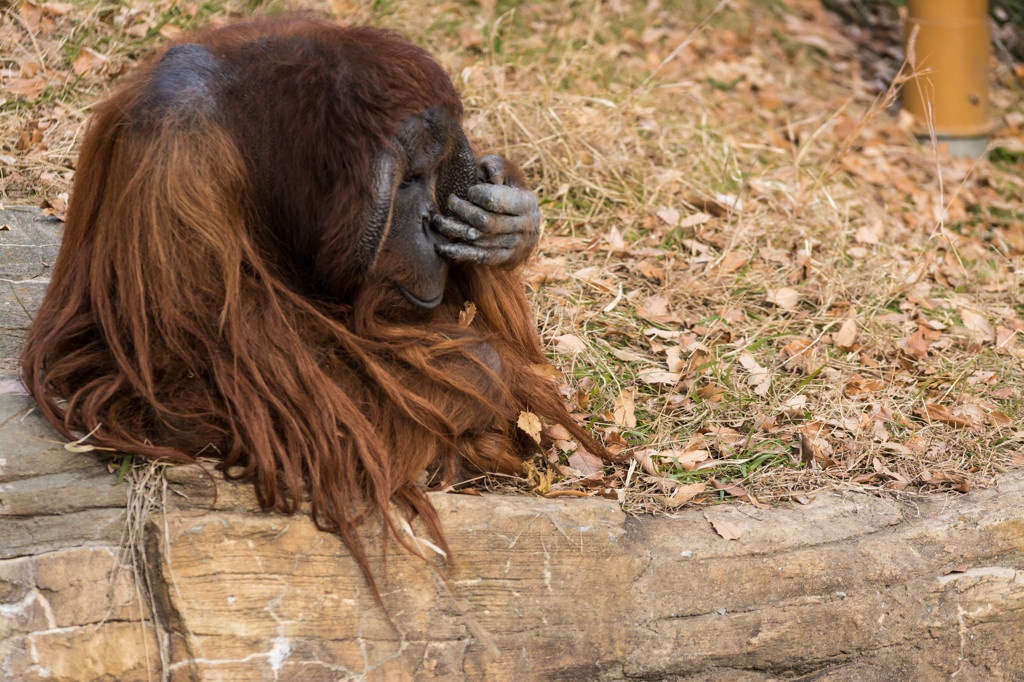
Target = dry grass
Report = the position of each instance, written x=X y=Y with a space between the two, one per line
x=755 y=279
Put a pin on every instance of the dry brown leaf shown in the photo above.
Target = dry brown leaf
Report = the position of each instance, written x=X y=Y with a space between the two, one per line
x=529 y=423
x=732 y=262
x=674 y=359
x=569 y=344
x=467 y=314
x=645 y=458
x=89 y=61
x=958 y=481
x=567 y=445
x=711 y=393
x=730 y=488
x=662 y=483
x=797 y=402
x=685 y=493
x=749 y=497
x=726 y=529
x=759 y=377
x=545 y=269
x=940 y=413
x=171 y=32
x=655 y=309
x=669 y=215
x=699 y=361
x=566 y=493
x=688 y=460
x=31 y=16
x=694 y=220
x=651 y=270
x=684 y=338
x=918 y=343
x=799 y=354
x=473 y=492
x=858 y=385
x=977 y=323
x=1006 y=340
x=586 y=463
x=655 y=377
x=628 y=355
x=623 y=412
x=847 y=335
x=719 y=204
x=556 y=432
x=786 y=297
x=616 y=244
x=547 y=371
x=814 y=449
x=998 y=419
x=28 y=68
x=58 y=9
x=962 y=568
x=29 y=88
x=870 y=234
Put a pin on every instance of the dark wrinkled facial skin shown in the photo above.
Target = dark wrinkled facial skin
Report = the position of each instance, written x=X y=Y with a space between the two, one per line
x=431 y=161
x=435 y=204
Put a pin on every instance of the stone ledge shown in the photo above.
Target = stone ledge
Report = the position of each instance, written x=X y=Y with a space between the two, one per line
x=843 y=589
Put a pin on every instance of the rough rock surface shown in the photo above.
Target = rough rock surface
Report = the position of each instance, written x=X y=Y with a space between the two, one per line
x=841 y=590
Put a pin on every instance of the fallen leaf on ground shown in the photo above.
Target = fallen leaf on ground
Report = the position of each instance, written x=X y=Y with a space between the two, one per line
x=586 y=463
x=730 y=488
x=759 y=377
x=919 y=342
x=529 y=423
x=814 y=449
x=977 y=323
x=688 y=460
x=623 y=412
x=786 y=297
x=942 y=478
x=685 y=493
x=566 y=493
x=654 y=377
x=655 y=309
x=29 y=88
x=89 y=61
x=674 y=359
x=569 y=344
x=733 y=261
x=858 y=385
x=941 y=413
x=847 y=335
x=727 y=529
x=870 y=234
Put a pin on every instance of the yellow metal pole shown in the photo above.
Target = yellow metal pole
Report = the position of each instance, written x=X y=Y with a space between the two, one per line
x=947 y=45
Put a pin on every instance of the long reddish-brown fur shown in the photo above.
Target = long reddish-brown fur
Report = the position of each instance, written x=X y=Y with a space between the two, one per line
x=172 y=327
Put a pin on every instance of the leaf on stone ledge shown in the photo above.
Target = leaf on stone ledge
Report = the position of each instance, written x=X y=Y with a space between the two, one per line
x=726 y=529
